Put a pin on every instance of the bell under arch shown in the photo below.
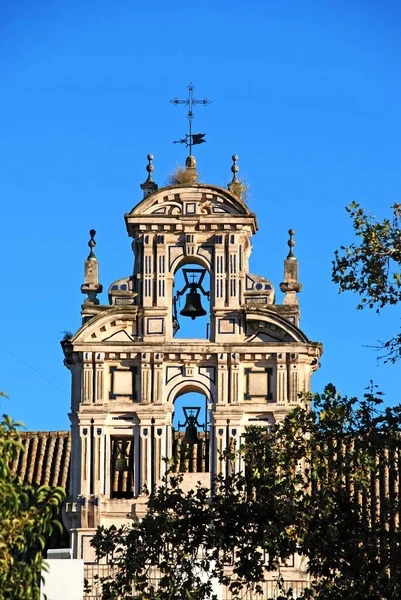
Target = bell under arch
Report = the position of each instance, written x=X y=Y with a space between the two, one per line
x=191 y=302
x=191 y=431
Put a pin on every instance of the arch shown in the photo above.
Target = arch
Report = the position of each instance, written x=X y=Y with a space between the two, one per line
x=192 y=272
x=188 y=260
x=290 y=330
x=186 y=386
x=101 y=326
x=204 y=194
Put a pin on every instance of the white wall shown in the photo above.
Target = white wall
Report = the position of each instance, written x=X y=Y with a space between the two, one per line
x=64 y=580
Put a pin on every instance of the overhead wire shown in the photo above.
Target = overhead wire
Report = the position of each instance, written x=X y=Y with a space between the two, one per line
x=33 y=369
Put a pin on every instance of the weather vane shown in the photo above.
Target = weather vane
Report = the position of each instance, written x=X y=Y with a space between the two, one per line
x=191 y=139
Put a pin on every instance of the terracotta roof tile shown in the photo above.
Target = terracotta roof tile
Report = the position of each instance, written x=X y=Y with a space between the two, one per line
x=45 y=459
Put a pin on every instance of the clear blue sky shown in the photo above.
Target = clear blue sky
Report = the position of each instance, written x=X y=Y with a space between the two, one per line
x=308 y=93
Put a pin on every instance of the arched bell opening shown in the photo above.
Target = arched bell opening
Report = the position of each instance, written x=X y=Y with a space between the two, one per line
x=191 y=433
x=191 y=302
x=122 y=467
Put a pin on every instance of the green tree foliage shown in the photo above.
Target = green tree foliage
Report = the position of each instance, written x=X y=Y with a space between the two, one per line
x=372 y=267
x=28 y=516
x=308 y=488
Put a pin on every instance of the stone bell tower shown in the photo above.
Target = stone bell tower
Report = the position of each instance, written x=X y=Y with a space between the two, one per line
x=128 y=369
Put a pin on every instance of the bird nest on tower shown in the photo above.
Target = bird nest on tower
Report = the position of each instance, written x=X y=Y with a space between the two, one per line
x=182 y=175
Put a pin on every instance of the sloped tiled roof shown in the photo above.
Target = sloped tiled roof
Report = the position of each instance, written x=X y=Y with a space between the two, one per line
x=45 y=459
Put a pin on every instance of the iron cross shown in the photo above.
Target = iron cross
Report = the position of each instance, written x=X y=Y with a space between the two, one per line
x=190 y=138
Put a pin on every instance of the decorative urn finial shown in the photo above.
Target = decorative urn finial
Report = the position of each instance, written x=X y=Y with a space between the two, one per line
x=236 y=186
x=234 y=168
x=92 y=245
x=91 y=286
x=291 y=243
x=291 y=286
x=149 y=186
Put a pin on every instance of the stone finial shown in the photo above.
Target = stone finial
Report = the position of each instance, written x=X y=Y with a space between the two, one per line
x=92 y=245
x=190 y=163
x=236 y=186
x=91 y=285
x=291 y=243
x=149 y=167
x=234 y=168
x=149 y=186
x=290 y=286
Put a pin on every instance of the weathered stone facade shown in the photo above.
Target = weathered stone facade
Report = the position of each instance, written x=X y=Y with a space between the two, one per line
x=128 y=369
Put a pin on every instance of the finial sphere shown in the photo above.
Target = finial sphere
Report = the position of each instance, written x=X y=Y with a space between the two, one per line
x=92 y=244
x=234 y=168
x=291 y=243
x=150 y=157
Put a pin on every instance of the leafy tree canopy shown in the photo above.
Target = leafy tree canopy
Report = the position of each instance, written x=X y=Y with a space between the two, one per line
x=372 y=266
x=28 y=516
x=309 y=487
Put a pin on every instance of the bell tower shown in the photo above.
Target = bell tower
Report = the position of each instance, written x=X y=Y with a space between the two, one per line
x=128 y=367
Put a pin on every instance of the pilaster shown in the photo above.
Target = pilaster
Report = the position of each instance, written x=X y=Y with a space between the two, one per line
x=147 y=272
x=146 y=378
x=222 y=378
x=87 y=379
x=99 y=377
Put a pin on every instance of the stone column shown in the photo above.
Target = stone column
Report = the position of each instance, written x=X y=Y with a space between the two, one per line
x=161 y=262
x=159 y=441
x=233 y=271
x=219 y=271
x=76 y=458
x=107 y=462
x=281 y=385
x=98 y=466
x=146 y=378
x=137 y=460
x=234 y=378
x=293 y=378
x=148 y=274
x=222 y=379
x=99 y=378
x=146 y=455
x=85 y=460
x=221 y=445
x=87 y=379
x=158 y=387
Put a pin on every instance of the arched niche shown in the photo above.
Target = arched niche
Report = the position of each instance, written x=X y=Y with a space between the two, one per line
x=187 y=271
x=191 y=431
x=199 y=260
x=186 y=385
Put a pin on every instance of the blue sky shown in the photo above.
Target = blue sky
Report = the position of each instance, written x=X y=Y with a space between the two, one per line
x=307 y=93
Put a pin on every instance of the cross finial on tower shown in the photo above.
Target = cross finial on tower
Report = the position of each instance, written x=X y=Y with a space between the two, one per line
x=191 y=139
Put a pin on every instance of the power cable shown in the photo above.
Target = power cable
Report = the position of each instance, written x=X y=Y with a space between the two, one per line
x=33 y=369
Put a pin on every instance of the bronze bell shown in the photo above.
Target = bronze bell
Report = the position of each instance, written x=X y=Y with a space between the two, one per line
x=191 y=433
x=193 y=307
x=121 y=465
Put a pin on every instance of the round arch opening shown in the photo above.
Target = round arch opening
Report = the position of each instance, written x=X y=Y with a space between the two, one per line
x=191 y=300
x=191 y=430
